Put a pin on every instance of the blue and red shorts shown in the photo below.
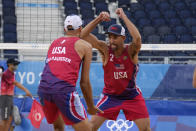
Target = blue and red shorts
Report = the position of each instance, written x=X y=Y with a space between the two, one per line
x=133 y=109
x=68 y=105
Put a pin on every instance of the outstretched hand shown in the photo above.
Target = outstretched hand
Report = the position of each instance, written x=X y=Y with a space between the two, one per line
x=120 y=13
x=104 y=16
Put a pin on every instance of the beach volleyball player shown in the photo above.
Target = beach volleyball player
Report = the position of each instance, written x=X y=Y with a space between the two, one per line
x=120 y=64
x=60 y=101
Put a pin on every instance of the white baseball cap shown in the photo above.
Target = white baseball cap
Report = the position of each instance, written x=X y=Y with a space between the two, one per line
x=74 y=20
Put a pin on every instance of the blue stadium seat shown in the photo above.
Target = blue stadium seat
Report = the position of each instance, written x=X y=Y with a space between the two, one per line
x=173 y=2
x=169 y=14
x=135 y=7
x=180 y=6
x=170 y=38
x=95 y=31
x=101 y=7
x=10 y=20
x=85 y=5
x=193 y=6
x=150 y=6
x=9 y=12
x=180 y=30
x=9 y=28
x=193 y=30
x=10 y=37
x=10 y=54
x=159 y=22
x=123 y=3
x=189 y=22
x=185 y=14
x=128 y=13
x=70 y=11
x=84 y=0
x=164 y=30
x=86 y=14
x=112 y=0
x=154 y=39
x=157 y=2
x=101 y=36
x=139 y=14
x=143 y=22
x=86 y=21
x=148 y=30
x=70 y=5
x=186 y=38
x=8 y=4
x=99 y=1
x=163 y=6
x=154 y=14
x=174 y=22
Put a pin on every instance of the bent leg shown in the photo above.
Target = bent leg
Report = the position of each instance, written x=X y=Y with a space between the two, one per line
x=143 y=124
x=97 y=121
x=58 y=124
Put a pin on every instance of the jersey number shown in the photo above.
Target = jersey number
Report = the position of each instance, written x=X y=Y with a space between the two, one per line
x=111 y=57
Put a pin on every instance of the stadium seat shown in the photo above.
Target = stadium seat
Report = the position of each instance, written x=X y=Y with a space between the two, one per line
x=180 y=30
x=149 y=6
x=163 y=30
x=8 y=28
x=70 y=11
x=154 y=14
x=173 y=22
x=101 y=7
x=173 y=2
x=10 y=20
x=184 y=14
x=112 y=0
x=189 y=22
x=157 y=2
x=85 y=5
x=84 y=0
x=107 y=24
x=163 y=6
x=153 y=39
x=8 y=4
x=170 y=38
x=101 y=36
x=193 y=6
x=10 y=54
x=99 y=1
x=95 y=31
x=9 y=11
x=123 y=3
x=168 y=14
x=159 y=22
x=10 y=37
x=135 y=7
x=86 y=21
x=139 y=14
x=186 y=38
x=70 y=5
x=180 y=6
x=148 y=30
x=143 y=22
x=193 y=30
x=86 y=14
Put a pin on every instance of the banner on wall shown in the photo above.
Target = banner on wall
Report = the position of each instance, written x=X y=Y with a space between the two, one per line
x=155 y=80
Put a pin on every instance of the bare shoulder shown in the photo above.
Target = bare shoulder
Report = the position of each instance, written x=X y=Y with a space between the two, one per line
x=83 y=44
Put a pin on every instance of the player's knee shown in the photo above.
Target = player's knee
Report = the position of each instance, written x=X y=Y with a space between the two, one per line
x=58 y=127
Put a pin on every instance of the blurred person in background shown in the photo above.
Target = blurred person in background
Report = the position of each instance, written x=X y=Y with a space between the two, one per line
x=8 y=83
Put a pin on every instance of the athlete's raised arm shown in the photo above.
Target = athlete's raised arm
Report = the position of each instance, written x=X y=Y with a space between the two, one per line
x=194 y=79
x=134 y=48
x=85 y=49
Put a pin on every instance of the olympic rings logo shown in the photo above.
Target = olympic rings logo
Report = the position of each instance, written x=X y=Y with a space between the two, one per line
x=119 y=125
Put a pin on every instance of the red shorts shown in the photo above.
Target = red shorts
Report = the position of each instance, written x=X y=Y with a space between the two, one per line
x=67 y=105
x=133 y=109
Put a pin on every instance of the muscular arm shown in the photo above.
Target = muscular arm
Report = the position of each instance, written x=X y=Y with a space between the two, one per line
x=194 y=79
x=134 y=48
x=85 y=81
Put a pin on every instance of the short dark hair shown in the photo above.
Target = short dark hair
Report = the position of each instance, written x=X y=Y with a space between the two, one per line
x=2 y=68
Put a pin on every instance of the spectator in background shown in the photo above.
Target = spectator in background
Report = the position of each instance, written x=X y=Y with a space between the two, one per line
x=194 y=79
x=8 y=83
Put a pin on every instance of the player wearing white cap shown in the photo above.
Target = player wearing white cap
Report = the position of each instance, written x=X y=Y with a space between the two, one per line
x=57 y=92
